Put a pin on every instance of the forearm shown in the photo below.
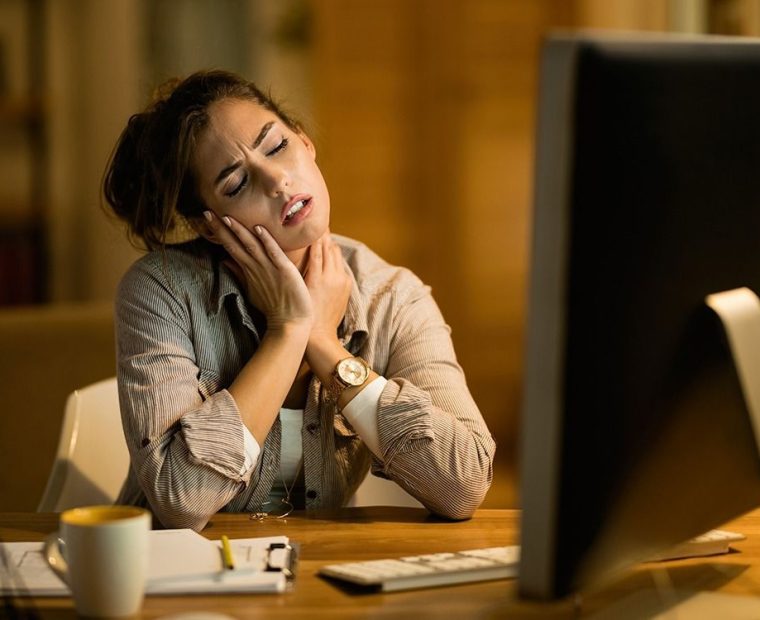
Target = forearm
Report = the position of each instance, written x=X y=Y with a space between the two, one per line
x=263 y=383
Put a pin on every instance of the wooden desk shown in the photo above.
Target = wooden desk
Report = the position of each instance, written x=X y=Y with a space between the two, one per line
x=325 y=537
x=379 y=532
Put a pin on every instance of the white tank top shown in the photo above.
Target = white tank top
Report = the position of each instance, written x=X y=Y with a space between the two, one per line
x=291 y=452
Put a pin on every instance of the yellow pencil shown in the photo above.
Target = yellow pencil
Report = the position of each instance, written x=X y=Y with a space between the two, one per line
x=227 y=558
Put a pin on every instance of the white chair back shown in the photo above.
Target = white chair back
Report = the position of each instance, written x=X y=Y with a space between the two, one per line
x=92 y=459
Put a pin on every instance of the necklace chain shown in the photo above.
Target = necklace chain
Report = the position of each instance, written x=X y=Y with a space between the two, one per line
x=288 y=491
x=285 y=501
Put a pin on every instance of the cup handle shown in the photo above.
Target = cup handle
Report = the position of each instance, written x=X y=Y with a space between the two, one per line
x=52 y=553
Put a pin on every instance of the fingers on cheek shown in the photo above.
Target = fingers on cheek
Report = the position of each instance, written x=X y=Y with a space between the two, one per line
x=232 y=226
x=268 y=244
x=251 y=249
x=234 y=247
x=238 y=230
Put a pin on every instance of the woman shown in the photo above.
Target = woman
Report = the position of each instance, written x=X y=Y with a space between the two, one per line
x=267 y=363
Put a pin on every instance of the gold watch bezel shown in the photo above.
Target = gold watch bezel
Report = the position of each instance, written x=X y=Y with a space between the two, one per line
x=347 y=378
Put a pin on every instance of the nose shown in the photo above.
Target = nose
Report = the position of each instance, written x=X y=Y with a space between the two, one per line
x=274 y=179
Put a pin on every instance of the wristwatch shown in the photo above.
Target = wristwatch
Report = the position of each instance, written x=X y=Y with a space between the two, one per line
x=350 y=372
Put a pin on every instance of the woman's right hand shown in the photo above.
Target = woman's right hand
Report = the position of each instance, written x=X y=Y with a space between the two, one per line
x=272 y=283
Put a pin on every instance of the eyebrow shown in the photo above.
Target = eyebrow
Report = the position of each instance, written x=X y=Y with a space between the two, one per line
x=236 y=164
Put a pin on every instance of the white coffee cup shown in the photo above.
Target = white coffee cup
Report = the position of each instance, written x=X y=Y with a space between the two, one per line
x=101 y=552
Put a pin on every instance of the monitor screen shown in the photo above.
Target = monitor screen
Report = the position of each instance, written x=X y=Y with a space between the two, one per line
x=635 y=432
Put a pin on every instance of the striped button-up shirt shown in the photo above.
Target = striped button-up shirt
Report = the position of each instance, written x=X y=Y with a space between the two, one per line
x=184 y=331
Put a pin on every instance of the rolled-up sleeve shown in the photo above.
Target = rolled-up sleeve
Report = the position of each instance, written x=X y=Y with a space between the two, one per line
x=434 y=440
x=186 y=444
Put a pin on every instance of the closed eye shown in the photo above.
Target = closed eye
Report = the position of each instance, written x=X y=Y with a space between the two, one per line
x=244 y=181
x=238 y=188
x=282 y=145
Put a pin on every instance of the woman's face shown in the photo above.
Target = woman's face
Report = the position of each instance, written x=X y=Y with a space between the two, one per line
x=251 y=166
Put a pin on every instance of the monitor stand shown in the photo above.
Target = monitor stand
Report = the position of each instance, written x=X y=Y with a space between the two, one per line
x=739 y=314
x=718 y=356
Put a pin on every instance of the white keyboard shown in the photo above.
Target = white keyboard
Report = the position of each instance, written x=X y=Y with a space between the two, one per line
x=434 y=569
x=713 y=542
x=439 y=569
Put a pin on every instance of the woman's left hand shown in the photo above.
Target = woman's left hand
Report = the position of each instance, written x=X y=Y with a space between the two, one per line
x=330 y=286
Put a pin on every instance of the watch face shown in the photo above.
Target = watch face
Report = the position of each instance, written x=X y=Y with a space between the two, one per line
x=353 y=371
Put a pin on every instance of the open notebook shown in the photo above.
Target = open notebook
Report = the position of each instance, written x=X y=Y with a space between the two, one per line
x=181 y=562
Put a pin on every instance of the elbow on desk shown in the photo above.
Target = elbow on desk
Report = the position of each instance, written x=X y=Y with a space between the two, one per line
x=188 y=502
x=172 y=518
x=453 y=514
x=173 y=514
x=461 y=499
x=458 y=508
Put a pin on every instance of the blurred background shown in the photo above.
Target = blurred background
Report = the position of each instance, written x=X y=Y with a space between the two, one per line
x=423 y=116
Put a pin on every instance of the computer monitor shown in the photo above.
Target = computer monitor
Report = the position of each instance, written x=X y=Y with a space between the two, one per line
x=635 y=431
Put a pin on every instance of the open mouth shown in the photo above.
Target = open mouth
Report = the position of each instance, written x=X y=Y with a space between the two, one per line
x=296 y=208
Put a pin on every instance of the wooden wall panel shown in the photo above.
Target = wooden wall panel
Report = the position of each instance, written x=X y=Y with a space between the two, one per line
x=425 y=134
x=626 y=14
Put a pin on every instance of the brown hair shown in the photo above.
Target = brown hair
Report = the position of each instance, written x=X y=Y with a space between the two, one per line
x=149 y=181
